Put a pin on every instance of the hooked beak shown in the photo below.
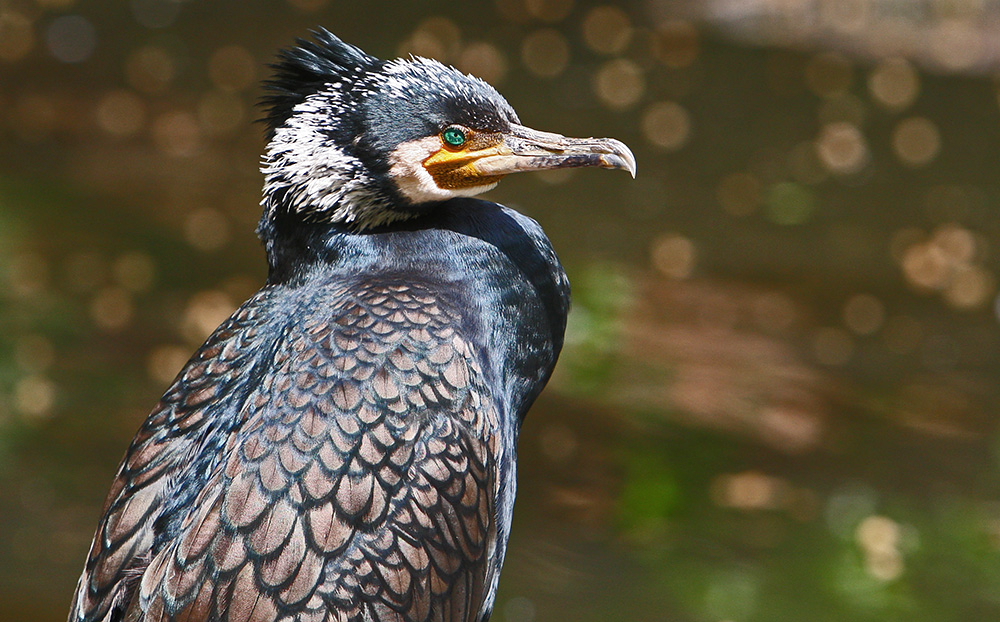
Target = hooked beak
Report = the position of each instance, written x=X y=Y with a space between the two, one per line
x=488 y=157
x=525 y=149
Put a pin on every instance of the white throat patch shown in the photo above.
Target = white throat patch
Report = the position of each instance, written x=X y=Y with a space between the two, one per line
x=414 y=182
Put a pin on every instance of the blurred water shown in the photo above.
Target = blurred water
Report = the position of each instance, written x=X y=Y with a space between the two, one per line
x=777 y=399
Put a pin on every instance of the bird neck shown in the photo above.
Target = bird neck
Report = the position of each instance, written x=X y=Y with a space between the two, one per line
x=309 y=173
x=498 y=264
x=342 y=197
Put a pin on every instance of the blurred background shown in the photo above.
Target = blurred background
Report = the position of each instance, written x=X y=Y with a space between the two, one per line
x=778 y=397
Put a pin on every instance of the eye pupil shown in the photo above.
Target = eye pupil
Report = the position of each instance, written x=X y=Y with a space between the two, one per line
x=454 y=136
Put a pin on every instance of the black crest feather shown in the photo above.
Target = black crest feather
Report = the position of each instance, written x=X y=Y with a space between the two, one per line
x=306 y=68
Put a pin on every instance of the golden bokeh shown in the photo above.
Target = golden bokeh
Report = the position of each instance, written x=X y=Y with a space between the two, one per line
x=957 y=44
x=176 y=133
x=17 y=35
x=164 y=362
x=842 y=148
x=916 y=141
x=956 y=242
x=879 y=538
x=807 y=257
x=970 y=287
x=34 y=396
x=150 y=69
x=947 y=261
x=925 y=266
x=864 y=314
x=206 y=229
x=894 y=83
x=750 y=490
x=204 y=312
x=121 y=113
x=607 y=29
x=666 y=124
x=549 y=10
x=483 y=60
x=676 y=43
x=545 y=52
x=233 y=68
x=436 y=37
x=619 y=83
x=674 y=255
x=111 y=308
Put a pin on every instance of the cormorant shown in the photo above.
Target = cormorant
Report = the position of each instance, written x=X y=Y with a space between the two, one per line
x=343 y=448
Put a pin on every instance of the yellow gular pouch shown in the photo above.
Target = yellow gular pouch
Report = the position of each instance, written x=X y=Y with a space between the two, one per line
x=463 y=162
x=453 y=166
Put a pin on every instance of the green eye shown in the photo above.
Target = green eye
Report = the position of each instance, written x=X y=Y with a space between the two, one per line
x=454 y=136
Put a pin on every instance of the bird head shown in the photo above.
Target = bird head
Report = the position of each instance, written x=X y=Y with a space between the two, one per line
x=364 y=142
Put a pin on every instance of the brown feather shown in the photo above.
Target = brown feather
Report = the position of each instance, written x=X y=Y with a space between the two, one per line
x=330 y=498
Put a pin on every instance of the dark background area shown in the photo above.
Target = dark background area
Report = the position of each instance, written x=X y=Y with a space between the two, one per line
x=778 y=398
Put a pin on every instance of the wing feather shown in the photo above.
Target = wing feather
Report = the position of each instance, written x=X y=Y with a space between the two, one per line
x=171 y=442
x=357 y=481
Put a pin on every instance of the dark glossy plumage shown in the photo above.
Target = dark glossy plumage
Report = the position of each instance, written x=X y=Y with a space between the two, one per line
x=343 y=447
